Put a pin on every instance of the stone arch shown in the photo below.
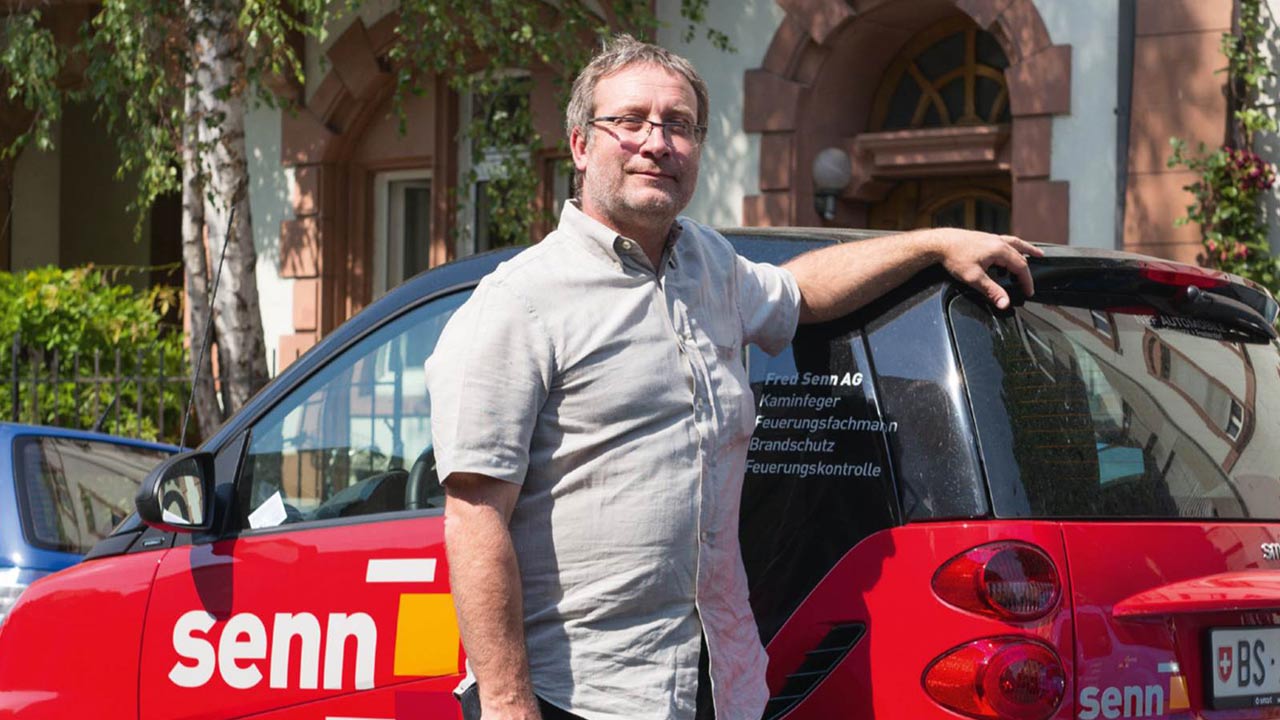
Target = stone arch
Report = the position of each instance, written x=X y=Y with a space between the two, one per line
x=822 y=44
x=326 y=247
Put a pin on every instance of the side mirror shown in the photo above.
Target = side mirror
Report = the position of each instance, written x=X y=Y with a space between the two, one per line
x=175 y=497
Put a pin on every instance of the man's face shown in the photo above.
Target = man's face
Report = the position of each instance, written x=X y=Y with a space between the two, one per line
x=635 y=185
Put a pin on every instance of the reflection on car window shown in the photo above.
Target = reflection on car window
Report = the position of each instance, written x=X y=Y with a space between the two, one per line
x=73 y=491
x=354 y=439
x=1083 y=413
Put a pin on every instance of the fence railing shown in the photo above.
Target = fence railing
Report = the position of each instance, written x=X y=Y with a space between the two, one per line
x=133 y=391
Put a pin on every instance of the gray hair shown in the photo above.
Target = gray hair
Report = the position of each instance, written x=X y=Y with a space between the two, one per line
x=620 y=52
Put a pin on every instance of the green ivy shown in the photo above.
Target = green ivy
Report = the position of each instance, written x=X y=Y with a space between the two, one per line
x=1233 y=180
x=79 y=313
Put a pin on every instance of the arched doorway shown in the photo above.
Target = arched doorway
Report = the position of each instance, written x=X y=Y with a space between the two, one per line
x=950 y=75
x=833 y=78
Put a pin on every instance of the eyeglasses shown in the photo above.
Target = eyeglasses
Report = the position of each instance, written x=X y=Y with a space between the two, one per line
x=636 y=129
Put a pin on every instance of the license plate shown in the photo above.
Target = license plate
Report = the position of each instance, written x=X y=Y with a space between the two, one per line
x=1242 y=667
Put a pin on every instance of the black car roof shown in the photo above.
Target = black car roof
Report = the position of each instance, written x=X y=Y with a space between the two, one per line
x=768 y=244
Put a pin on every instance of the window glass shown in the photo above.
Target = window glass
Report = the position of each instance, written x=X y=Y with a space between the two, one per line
x=818 y=479
x=561 y=171
x=950 y=74
x=412 y=198
x=973 y=212
x=355 y=438
x=402 y=226
x=486 y=170
x=73 y=492
x=1085 y=413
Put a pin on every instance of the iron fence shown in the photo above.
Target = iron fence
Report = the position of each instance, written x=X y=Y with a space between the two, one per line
x=133 y=391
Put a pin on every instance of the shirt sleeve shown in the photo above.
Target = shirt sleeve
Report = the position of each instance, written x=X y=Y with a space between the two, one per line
x=487 y=381
x=768 y=303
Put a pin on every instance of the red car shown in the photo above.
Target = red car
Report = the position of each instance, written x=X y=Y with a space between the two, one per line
x=1067 y=510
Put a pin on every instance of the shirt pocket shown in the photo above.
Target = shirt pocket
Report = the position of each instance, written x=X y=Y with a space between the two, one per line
x=730 y=383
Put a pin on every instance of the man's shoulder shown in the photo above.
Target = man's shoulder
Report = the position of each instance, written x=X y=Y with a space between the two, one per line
x=531 y=264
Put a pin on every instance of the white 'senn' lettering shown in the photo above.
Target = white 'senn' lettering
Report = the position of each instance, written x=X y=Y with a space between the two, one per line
x=1131 y=701
x=243 y=645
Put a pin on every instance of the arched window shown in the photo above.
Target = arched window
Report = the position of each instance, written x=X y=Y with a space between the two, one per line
x=972 y=210
x=950 y=74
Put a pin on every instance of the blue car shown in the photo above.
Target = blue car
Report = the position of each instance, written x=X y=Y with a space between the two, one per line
x=61 y=491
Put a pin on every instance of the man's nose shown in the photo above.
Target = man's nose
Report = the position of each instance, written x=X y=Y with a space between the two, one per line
x=656 y=142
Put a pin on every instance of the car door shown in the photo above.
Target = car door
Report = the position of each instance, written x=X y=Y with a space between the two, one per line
x=330 y=589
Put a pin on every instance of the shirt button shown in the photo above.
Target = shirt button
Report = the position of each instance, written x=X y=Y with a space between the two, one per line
x=697 y=403
x=626 y=244
x=704 y=535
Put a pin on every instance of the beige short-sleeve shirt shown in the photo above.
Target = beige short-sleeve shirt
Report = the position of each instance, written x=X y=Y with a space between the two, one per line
x=615 y=394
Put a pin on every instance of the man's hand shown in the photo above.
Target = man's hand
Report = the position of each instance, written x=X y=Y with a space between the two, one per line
x=485 y=581
x=968 y=256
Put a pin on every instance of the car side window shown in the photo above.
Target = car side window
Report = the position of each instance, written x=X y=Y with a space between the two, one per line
x=354 y=438
x=818 y=479
x=73 y=491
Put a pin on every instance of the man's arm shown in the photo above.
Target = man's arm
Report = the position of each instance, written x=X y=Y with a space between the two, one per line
x=485 y=580
x=837 y=280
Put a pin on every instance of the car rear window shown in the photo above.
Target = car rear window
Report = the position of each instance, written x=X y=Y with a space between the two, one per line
x=1089 y=413
x=72 y=492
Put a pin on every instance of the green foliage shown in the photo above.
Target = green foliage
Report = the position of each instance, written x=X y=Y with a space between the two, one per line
x=1228 y=208
x=30 y=61
x=1233 y=180
x=78 y=315
x=138 y=65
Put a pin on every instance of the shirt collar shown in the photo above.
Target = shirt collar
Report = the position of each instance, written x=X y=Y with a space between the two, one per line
x=608 y=244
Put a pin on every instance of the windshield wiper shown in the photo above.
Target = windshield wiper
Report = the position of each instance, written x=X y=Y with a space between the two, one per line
x=1203 y=305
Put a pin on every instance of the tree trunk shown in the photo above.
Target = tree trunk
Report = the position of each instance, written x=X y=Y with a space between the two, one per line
x=194 y=261
x=221 y=85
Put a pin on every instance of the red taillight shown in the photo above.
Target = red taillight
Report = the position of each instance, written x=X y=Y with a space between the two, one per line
x=1182 y=276
x=1009 y=678
x=1010 y=581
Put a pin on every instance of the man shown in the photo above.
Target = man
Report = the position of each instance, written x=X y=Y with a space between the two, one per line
x=591 y=417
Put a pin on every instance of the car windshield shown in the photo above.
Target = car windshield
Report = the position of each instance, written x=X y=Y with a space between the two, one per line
x=74 y=491
x=1101 y=414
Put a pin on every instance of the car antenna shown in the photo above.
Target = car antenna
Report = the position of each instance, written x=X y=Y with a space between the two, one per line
x=101 y=422
x=208 y=329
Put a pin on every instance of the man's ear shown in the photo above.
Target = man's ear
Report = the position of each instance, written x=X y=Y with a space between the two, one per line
x=578 y=146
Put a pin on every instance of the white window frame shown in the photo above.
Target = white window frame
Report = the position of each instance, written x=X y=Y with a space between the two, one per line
x=386 y=218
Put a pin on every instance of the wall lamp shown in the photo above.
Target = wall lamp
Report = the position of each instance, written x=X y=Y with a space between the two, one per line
x=832 y=172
